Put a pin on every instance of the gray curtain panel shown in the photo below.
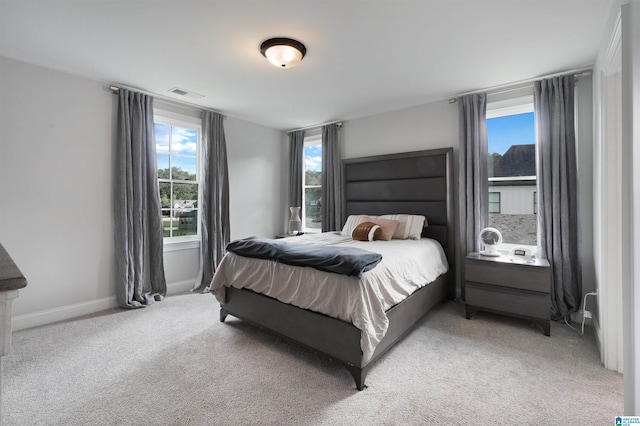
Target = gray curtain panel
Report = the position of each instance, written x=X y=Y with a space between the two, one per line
x=558 y=186
x=137 y=215
x=473 y=196
x=331 y=179
x=296 y=167
x=215 y=225
x=473 y=184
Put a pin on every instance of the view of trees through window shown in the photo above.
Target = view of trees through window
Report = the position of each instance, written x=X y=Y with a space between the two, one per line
x=176 y=149
x=512 y=177
x=311 y=212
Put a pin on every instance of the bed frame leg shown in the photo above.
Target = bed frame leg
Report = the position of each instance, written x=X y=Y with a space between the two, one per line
x=223 y=314
x=359 y=375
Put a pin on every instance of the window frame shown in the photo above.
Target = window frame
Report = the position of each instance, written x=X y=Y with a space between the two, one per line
x=513 y=106
x=184 y=121
x=520 y=104
x=495 y=202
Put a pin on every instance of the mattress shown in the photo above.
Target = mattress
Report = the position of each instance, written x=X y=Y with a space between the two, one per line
x=406 y=266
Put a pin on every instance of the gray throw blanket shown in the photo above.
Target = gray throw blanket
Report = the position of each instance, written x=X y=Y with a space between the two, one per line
x=340 y=260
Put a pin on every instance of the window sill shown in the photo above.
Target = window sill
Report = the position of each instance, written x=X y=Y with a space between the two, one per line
x=186 y=244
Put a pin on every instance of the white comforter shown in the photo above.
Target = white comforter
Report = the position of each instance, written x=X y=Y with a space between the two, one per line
x=406 y=266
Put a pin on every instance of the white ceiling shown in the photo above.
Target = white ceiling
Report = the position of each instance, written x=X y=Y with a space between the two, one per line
x=363 y=57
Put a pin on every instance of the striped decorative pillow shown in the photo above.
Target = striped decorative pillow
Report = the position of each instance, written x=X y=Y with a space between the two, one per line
x=409 y=225
x=351 y=223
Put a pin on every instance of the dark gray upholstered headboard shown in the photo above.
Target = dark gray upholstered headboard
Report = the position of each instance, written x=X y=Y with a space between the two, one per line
x=419 y=182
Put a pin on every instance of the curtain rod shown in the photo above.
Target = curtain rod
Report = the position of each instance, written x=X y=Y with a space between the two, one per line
x=577 y=73
x=316 y=126
x=115 y=89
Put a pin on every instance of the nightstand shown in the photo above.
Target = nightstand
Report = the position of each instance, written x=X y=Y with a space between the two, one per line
x=516 y=288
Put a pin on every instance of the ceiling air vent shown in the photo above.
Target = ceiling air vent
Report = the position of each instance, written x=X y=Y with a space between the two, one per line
x=186 y=93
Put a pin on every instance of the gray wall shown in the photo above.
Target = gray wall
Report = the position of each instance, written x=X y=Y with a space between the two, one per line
x=584 y=142
x=55 y=186
x=257 y=167
x=424 y=127
x=56 y=143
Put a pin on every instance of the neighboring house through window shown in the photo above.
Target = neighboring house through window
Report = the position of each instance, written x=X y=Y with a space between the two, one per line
x=177 y=147
x=312 y=183
x=512 y=170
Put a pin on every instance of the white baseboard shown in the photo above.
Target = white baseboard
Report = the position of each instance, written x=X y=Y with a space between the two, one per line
x=577 y=318
x=62 y=313
x=596 y=327
x=180 y=287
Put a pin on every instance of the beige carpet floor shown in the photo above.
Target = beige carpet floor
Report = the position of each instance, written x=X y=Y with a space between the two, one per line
x=174 y=363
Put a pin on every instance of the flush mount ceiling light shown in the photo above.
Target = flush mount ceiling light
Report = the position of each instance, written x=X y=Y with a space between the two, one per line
x=283 y=52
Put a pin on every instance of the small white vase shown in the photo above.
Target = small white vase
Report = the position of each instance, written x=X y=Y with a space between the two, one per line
x=295 y=223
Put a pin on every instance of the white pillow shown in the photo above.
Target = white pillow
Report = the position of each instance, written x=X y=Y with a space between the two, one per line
x=351 y=223
x=409 y=225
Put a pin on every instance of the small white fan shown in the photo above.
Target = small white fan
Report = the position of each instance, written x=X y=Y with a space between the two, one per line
x=491 y=238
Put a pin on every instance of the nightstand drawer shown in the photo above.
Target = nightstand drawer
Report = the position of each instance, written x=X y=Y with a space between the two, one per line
x=509 y=275
x=509 y=300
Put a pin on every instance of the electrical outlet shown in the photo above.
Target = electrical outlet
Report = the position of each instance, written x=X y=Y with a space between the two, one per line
x=587 y=314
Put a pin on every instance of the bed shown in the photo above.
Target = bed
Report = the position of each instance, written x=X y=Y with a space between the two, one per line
x=415 y=183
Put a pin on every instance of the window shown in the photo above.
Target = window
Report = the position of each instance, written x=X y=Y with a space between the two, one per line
x=312 y=184
x=512 y=170
x=494 y=202
x=177 y=156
